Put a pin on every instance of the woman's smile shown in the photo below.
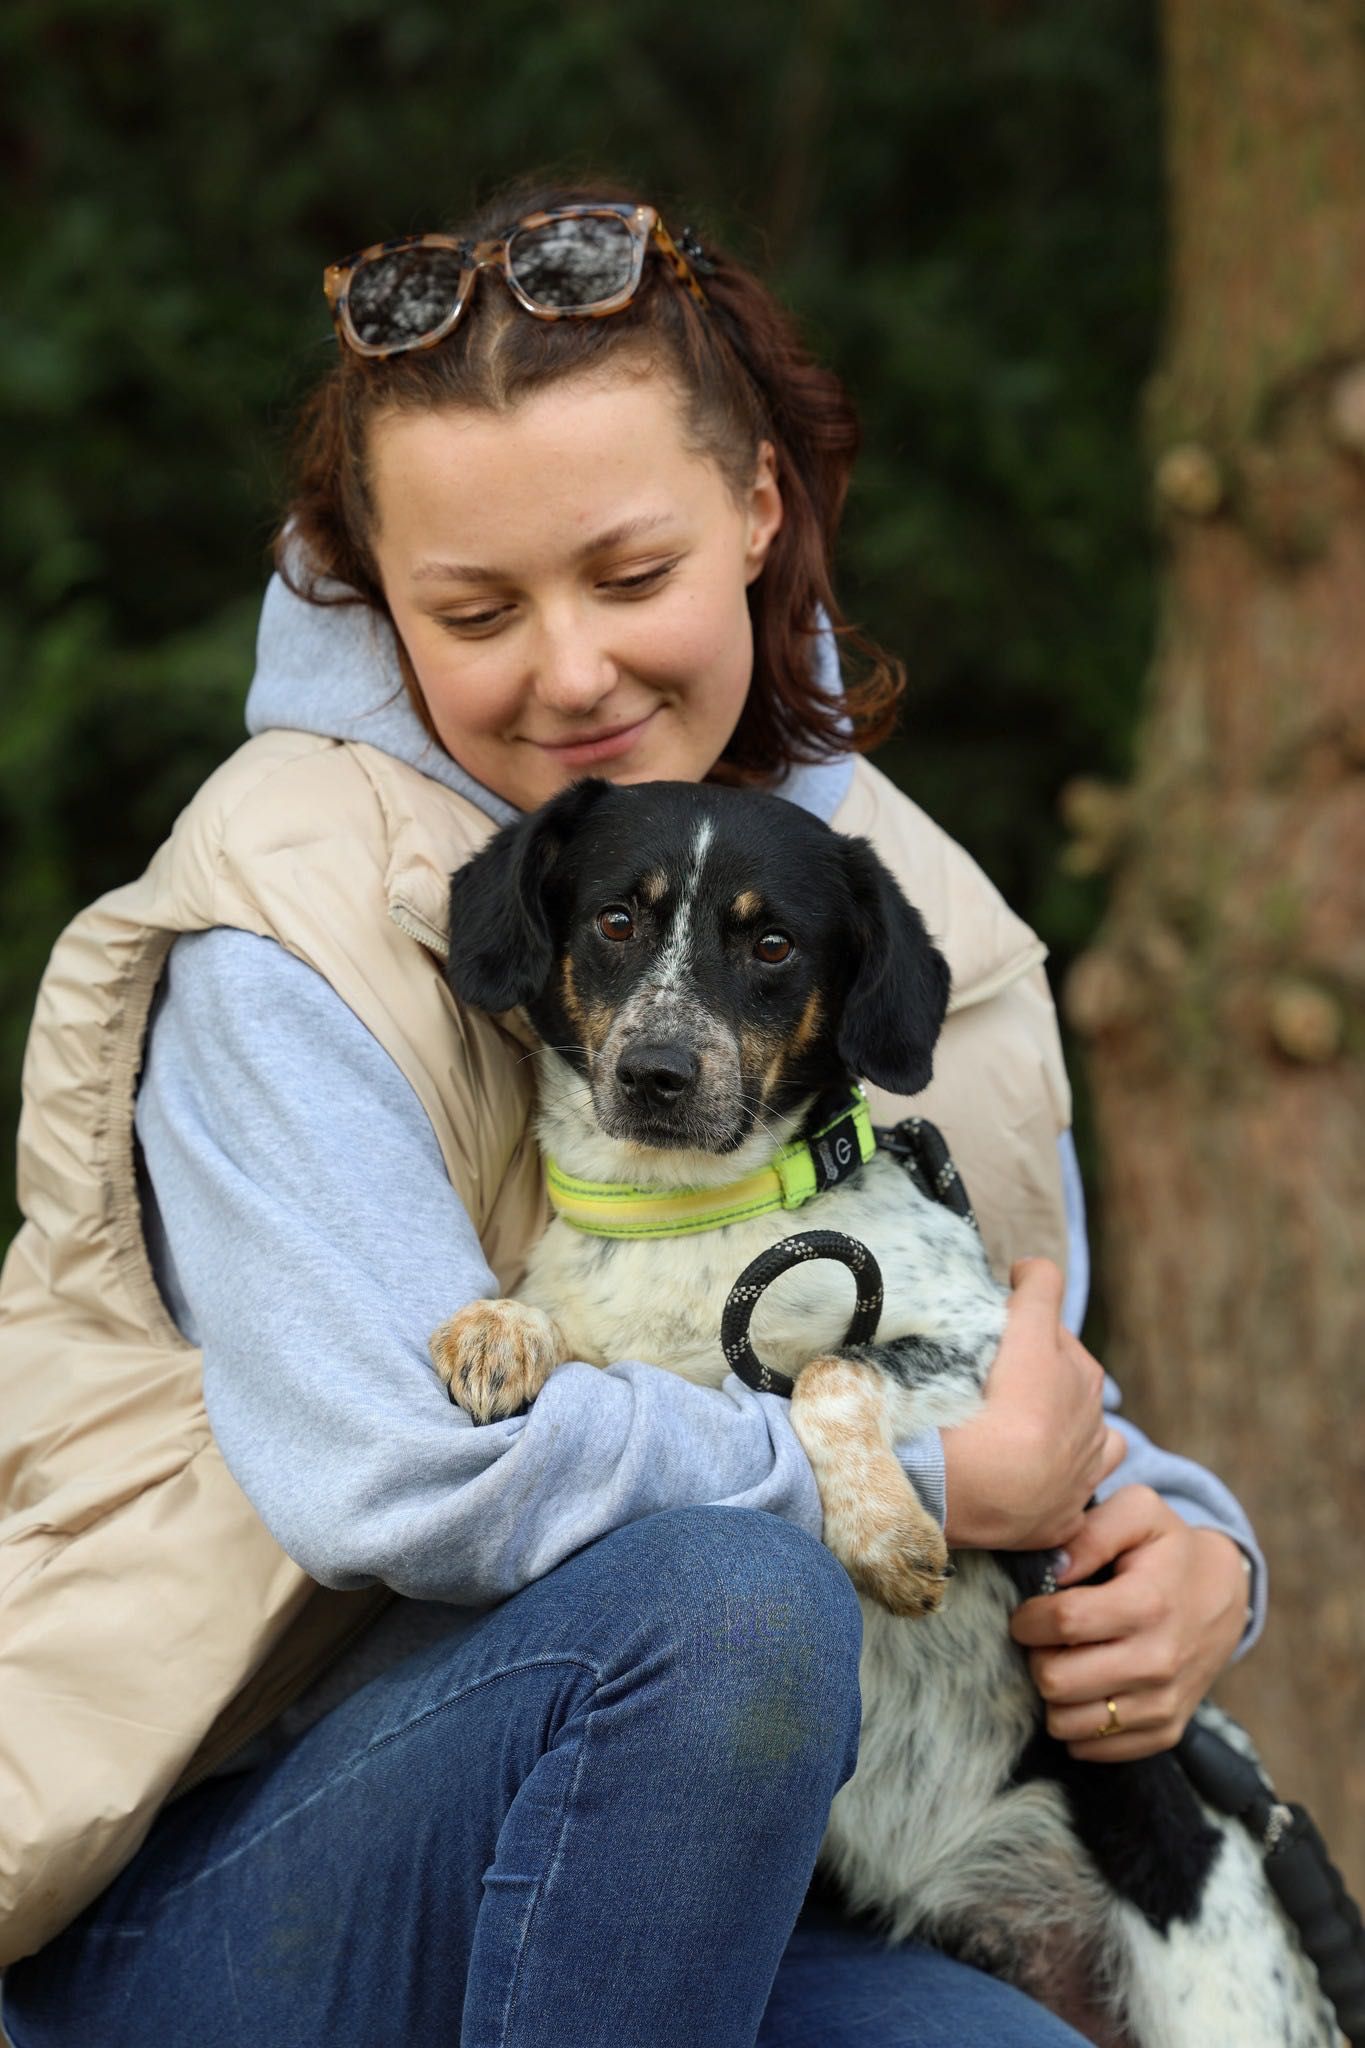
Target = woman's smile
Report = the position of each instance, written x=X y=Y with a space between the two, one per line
x=608 y=743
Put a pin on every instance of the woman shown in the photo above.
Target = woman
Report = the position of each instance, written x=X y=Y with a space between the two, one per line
x=568 y=1785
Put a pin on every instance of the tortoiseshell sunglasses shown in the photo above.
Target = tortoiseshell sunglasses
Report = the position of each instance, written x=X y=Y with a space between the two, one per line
x=571 y=263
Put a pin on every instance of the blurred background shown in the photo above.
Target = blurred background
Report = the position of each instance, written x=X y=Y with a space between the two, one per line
x=1098 y=286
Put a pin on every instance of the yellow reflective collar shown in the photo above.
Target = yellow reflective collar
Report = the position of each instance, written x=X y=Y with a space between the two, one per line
x=802 y=1168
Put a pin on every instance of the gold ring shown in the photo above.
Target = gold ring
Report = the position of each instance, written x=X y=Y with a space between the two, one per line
x=1113 y=1726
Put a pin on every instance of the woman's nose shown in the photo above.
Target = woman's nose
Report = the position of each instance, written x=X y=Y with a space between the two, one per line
x=574 y=671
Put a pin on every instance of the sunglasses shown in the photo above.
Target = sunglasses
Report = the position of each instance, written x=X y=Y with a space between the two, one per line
x=570 y=263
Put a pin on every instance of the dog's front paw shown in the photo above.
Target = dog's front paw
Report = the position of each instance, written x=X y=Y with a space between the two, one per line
x=875 y=1523
x=496 y=1355
x=900 y=1562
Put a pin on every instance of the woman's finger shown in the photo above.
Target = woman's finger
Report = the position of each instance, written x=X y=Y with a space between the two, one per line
x=1142 y=1713
x=1115 y=1451
x=1126 y=1748
x=1120 y=1726
x=1130 y=1517
x=1077 y=1678
x=1125 y=1606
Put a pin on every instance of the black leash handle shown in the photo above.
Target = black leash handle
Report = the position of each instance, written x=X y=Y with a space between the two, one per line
x=759 y=1275
x=1298 y=1866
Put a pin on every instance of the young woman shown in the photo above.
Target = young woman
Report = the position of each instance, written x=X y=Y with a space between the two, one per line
x=330 y=1716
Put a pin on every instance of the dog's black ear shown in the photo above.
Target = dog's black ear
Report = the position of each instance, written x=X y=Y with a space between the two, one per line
x=501 y=951
x=895 y=1007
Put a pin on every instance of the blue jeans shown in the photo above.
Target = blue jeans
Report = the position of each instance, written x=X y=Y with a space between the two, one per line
x=586 y=1821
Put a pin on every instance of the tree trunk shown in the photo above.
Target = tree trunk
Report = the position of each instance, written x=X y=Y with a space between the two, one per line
x=1223 y=998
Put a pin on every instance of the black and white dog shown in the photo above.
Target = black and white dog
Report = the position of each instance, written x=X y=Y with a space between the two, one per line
x=701 y=966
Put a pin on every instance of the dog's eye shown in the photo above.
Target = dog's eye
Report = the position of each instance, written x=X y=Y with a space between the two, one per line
x=773 y=947
x=616 y=922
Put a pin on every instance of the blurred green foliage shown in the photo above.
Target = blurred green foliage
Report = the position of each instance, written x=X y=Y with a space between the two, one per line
x=961 y=201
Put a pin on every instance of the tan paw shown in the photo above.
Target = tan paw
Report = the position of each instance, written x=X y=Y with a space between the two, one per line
x=496 y=1355
x=903 y=1566
x=875 y=1523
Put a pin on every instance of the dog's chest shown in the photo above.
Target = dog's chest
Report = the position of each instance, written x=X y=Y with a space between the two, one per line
x=660 y=1300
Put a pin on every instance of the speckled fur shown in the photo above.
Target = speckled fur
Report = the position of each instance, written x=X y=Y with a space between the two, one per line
x=930 y=1831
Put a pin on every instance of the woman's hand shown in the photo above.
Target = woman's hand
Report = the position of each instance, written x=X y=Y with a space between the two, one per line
x=1020 y=1472
x=1152 y=1639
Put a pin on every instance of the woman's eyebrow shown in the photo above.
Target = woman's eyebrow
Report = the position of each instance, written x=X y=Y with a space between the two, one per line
x=613 y=537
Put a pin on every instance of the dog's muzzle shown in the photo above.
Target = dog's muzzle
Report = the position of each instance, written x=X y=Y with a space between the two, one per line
x=668 y=1074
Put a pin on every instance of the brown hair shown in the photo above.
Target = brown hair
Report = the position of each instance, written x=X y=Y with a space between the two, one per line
x=743 y=375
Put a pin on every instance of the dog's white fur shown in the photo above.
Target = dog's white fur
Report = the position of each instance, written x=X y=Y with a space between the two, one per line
x=928 y=1831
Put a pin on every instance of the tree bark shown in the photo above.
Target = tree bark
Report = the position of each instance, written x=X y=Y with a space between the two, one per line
x=1222 y=1000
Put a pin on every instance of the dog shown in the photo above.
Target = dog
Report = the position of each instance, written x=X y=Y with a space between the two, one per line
x=704 y=967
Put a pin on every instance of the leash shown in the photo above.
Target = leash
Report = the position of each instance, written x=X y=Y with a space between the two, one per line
x=1298 y=1866
x=759 y=1275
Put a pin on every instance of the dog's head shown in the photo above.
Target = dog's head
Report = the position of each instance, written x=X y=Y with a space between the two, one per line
x=706 y=958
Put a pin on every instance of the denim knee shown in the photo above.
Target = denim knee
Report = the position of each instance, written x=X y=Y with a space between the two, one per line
x=758 y=1619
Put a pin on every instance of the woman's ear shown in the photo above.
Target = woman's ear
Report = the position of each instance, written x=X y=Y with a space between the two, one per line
x=763 y=512
x=898 y=998
x=501 y=944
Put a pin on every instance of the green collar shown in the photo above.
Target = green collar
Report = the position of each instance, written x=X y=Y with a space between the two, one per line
x=841 y=1140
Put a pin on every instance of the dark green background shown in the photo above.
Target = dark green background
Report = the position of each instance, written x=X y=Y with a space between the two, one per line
x=962 y=201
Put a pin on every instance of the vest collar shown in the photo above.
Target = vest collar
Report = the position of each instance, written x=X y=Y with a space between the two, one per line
x=837 y=1140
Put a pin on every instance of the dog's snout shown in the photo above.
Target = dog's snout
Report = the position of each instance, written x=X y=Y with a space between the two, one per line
x=656 y=1073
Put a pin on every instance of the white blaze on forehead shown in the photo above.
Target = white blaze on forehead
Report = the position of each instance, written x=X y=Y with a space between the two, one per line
x=673 y=959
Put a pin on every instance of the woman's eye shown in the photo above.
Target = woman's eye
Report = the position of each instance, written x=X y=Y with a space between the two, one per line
x=644 y=580
x=616 y=922
x=472 y=622
x=773 y=947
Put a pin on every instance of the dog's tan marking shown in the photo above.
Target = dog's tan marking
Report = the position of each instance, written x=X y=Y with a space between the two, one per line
x=809 y=1022
x=887 y=1541
x=495 y=1355
x=654 y=887
x=762 y=1055
x=762 y=1048
x=746 y=906
x=568 y=993
x=592 y=1023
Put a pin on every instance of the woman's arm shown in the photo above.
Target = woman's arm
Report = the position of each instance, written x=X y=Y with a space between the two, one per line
x=304 y=1232
x=1012 y=1473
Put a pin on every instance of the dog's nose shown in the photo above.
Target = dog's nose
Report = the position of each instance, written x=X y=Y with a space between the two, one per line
x=656 y=1073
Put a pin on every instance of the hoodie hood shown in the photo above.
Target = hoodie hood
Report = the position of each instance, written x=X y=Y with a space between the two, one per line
x=333 y=670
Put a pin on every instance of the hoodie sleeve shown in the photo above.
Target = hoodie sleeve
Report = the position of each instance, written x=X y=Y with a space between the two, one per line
x=1196 y=1495
x=306 y=1236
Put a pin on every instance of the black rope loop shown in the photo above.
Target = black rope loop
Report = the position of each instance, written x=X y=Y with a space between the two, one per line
x=759 y=1275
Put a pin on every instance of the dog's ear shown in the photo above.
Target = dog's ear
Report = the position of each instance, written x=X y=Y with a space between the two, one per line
x=501 y=951
x=895 y=1007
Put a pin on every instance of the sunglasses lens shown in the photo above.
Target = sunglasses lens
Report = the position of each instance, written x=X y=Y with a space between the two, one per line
x=576 y=263
x=404 y=295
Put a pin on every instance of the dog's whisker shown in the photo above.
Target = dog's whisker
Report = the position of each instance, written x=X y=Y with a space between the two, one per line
x=763 y=1116
x=550 y=1048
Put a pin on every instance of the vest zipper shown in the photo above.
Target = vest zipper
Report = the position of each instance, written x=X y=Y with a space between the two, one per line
x=417 y=928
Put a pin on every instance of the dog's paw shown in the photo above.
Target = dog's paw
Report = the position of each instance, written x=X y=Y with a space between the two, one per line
x=904 y=1567
x=494 y=1356
x=875 y=1523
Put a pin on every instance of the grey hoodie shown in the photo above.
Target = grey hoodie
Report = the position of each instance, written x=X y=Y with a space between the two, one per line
x=305 y=1235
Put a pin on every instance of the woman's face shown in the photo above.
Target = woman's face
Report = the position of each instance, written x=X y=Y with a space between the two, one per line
x=569 y=582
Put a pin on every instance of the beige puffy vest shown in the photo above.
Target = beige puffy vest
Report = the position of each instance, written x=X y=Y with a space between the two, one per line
x=148 y=1622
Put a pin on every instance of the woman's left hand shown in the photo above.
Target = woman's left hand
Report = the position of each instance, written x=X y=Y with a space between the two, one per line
x=1152 y=1639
